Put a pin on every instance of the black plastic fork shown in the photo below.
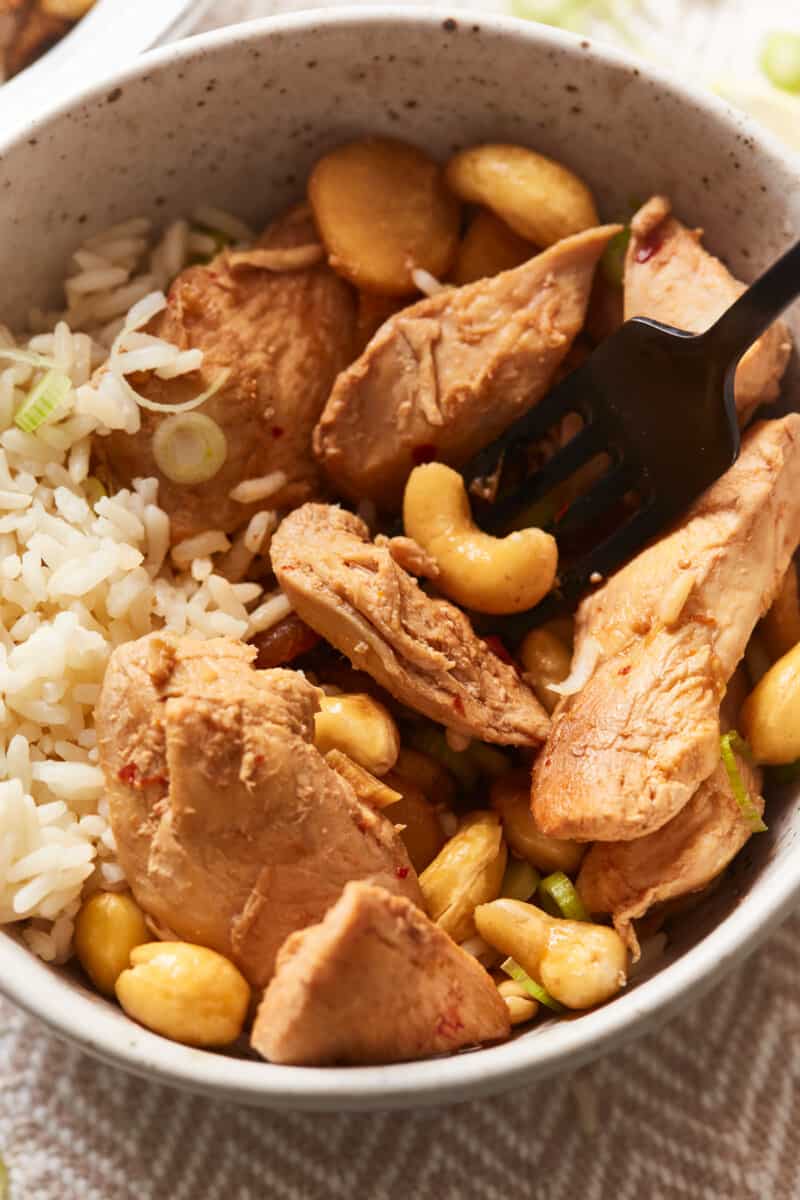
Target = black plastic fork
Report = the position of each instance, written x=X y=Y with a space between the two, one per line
x=660 y=403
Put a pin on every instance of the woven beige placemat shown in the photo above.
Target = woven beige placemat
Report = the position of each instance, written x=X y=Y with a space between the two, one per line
x=706 y=1109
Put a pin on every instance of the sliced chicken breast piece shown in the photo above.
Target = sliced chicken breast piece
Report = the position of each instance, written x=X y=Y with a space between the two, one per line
x=280 y=332
x=375 y=982
x=627 y=878
x=665 y=634
x=231 y=828
x=424 y=652
x=671 y=278
x=443 y=378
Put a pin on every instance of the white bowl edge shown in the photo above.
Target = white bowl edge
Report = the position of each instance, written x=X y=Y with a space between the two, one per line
x=101 y=1030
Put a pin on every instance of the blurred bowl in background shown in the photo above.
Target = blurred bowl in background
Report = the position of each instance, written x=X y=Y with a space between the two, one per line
x=111 y=34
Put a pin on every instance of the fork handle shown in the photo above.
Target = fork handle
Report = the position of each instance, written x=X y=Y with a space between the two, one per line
x=756 y=309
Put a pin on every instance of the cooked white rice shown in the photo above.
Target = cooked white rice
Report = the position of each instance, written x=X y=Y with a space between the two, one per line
x=82 y=572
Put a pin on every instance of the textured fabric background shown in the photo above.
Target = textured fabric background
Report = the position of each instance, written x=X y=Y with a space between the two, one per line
x=706 y=1109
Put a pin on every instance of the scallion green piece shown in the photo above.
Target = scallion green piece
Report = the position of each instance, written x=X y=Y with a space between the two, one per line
x=557 y=896
x=50 y=393
x=520 y=880
x=431 y=740
x=93 y=489
x=539 y=515
x=25 y=357
x=515 y=971
x=780 y=60
x=488 y=760
x=5 y=1186
x=613 y=260
x=732 y=744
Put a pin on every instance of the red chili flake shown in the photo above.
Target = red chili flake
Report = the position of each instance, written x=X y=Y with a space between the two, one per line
x=497 y=646
x=649 y=247
x=128 y=773
x=148 y=780
x=401 y=872
x=361 y=826
x=259 y=760
x=278 y=431
x=623 y=670
x=458 y=705
x=424 y=453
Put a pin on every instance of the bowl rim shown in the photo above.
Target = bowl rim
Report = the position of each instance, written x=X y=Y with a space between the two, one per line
x=94 y=1025
x=107 y=37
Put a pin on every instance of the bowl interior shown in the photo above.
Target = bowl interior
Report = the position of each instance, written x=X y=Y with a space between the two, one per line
x=236 y=120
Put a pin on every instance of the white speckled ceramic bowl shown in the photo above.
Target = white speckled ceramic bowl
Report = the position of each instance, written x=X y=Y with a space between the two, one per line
x=238 y=118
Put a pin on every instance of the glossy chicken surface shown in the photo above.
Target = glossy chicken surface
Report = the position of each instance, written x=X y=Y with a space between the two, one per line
x=627 y=752
x=231 y=828
x=423 y=651
x=445 y=377
x=375 y=982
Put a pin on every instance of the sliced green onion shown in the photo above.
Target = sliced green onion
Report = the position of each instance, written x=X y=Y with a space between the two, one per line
x=732 y=744
x=432 y=741
x=557 y=895
x=5 y=1186
x=515 y=971
x=520 y=880
x=187 y=406
x=26 y=357
x=220 y=239
x=189 y=448
x=488 y=760
x=539 y=515
x=562 y=14
x=46 y=399
x=93 y=490
x=780 y=60
x=613 y=260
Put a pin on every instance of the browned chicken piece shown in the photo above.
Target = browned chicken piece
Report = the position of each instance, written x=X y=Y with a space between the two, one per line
x=375 y=982
x=446 y=376
x=627 y=878
x=671 y=278
x=282 y=333
x=664 y=636
x=423 y=651
x=231 y=829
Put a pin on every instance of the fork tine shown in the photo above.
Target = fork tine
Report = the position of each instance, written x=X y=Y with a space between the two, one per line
x=604 y=558
x=585 y=445
x=568 y=396
x=601 y=496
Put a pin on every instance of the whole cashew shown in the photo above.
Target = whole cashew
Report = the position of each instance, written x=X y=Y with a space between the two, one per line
x=488 y=574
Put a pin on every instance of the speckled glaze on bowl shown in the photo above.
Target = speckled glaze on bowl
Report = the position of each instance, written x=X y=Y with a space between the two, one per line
x=237 y=118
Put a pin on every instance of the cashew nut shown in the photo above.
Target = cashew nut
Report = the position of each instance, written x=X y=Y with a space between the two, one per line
x=780 y=628
x=546 y=660
x=488 y=574
x=185 y=992
x=467 y=871
x=770 y=716
x=361 y=728
x=579 y=964
x=108 y=927
x=415 y=815
x=511 y=798
x=367 y=787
